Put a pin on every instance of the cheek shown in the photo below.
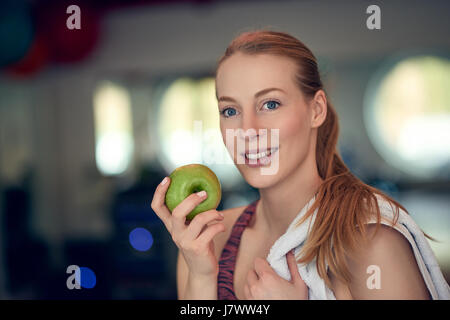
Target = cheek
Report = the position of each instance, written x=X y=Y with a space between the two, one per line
x=223 y=129
x=295 y=130
x=295 y=137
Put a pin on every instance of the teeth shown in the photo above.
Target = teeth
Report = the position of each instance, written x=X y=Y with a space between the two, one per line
x=254 y=156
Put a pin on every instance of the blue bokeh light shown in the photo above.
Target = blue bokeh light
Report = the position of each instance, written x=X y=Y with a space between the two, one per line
x=141 y=239
x=88 y=278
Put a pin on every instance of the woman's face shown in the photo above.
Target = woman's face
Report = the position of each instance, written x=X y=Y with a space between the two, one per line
x=244 y=103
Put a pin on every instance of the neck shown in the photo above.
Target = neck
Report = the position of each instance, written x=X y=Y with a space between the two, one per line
x=280 y=204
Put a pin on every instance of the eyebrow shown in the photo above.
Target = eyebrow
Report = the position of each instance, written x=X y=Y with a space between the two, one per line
x=260 y=93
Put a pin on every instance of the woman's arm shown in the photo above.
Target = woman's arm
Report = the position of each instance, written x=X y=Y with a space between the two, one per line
x=389 y=257
x=194 y=287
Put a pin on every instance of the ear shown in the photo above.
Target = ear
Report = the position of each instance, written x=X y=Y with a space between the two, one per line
x=319 y=109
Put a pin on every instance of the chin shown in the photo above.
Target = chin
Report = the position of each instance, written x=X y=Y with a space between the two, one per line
x=254 y=177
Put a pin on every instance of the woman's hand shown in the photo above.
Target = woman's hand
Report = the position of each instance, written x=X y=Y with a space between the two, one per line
x=194 y=239
x=263 y=283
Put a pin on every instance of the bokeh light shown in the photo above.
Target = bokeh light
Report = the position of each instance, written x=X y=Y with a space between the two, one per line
x=88 y=280
x=407 y=114
x=114 y=144
x=141 y=239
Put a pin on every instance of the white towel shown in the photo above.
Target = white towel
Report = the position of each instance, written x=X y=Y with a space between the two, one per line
x=294 y=237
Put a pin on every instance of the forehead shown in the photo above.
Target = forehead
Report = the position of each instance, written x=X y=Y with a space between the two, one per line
x=253 y=73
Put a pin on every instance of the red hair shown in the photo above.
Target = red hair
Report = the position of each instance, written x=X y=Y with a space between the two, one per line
x=343 y=201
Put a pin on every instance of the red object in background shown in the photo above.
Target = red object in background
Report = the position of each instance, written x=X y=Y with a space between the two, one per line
x=68 y=45
x=35 y=59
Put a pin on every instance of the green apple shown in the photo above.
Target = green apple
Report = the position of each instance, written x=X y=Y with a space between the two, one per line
x=193 y=178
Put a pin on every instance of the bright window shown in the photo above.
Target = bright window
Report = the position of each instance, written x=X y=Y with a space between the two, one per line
x=113 y=129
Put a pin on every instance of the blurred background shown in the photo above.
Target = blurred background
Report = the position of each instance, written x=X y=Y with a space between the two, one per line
x=92 y=119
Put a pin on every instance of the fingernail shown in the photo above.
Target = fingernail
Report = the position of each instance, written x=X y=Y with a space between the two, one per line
x=221 y=214
x=201 y=194
x=164 y=181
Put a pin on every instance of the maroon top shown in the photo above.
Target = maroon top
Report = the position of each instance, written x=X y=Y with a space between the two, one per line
x=227 y=262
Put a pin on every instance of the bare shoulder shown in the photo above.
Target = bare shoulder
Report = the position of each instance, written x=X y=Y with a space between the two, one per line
x=386 y=239
x=386 y=268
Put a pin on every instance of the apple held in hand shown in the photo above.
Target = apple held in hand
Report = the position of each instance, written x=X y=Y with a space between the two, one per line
x=193 y=178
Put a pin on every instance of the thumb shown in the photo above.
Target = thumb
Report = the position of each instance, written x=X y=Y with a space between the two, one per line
x=293 y=269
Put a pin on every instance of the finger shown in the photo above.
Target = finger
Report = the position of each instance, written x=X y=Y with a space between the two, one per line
x=293 y=268
x=157 y=203
x=262 y=266
x=252 y=278
x=210 y=232
x=180 y=212
x=200 y=221
x=252 y=282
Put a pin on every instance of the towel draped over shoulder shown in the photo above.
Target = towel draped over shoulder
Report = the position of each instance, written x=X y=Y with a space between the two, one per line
x=295 y=237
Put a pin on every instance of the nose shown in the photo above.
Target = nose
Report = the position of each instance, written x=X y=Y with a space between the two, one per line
x=250 y=129
x=253 y=132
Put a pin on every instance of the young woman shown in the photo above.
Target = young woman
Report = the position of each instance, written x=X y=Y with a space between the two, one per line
x=270 y=80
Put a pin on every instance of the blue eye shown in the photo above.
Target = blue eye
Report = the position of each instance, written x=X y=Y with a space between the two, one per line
x=229 y=114
x=272 y=104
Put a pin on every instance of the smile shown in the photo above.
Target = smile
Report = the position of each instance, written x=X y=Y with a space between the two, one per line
x=255 y=159
x=254 y=156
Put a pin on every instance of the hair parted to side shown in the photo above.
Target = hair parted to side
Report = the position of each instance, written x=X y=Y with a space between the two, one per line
x=344 y=202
